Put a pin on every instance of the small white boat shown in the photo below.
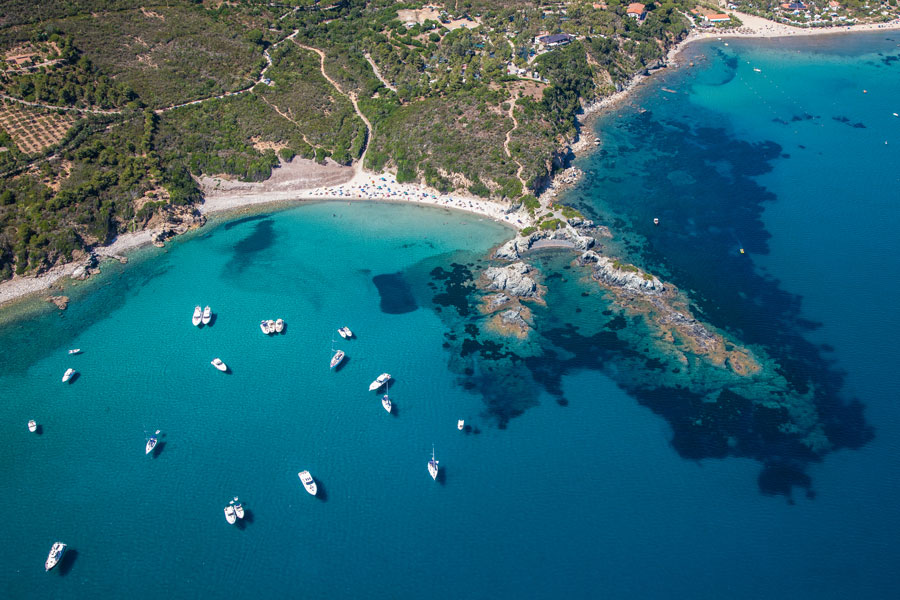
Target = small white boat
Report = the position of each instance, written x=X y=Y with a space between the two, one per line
x=433 y=465
x=460 y=424
x=56 y=553
x=279 y=325
x=68 y=375
x=308 y=482
x=264 y=325
x=75 y=351
x=337 y=358
x=217 y=363
x=207 y=315
x=345 y=332
x=32 y=426
x=380 y=381
x=238 y=508
x=757 y=70
x=230 y=515
x=271 y=325
x=655 y=220
x=198 y=316
x=151 y=443
x=386 y=400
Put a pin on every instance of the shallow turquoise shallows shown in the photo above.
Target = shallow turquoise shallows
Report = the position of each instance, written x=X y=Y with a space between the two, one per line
x=586 y=498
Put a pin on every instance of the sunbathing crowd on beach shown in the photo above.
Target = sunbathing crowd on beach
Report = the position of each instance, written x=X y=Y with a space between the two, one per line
x=386 y=188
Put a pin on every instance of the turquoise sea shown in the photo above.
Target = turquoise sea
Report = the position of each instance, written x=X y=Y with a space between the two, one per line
x=579 y=474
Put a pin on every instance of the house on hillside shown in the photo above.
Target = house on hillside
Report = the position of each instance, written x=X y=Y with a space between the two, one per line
x=557 y=39
x=636 y=10
x=717 y=18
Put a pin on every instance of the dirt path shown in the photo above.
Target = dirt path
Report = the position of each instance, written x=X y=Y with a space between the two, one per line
x=262 y=76
x=512 y=115
x=358 y=167
x=378 y=73
x=288 y=117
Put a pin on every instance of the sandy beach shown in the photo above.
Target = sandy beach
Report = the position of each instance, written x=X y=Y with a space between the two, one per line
x=297 y=181
x=303 y=179
x=758 y=27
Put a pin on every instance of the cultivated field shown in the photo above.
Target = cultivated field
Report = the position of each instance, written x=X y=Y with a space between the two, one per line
x=33 y=129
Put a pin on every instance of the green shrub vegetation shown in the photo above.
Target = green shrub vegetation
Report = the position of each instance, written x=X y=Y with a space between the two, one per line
x=442 y=117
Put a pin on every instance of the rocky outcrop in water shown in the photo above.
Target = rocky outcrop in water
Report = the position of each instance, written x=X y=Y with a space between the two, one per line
x=563 y=238
x=621 y=275
x=495 y=302
x=512 y=279
x=61 y=302
x=642 y=293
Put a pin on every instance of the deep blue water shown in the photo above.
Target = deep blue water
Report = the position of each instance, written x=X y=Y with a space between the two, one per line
x=581 y=473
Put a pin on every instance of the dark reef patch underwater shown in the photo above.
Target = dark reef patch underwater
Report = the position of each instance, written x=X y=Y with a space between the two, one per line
x=699 y=179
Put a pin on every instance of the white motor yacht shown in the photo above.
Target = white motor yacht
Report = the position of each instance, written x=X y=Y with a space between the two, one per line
x=379 y=381
x=151 y=443
x=198 y=316
x=433 y=465
x=230 y=515
x=217 y=363
x=264 y=325
x=56 y=553
x=337 y=358
x=238 y=508
x=32 y=426
x=345 y=332
x=75 y=351
x=279 y=325
x=207 y=315
x=308 y=482
x=68 y=375
x=460 y=424
x=271 y=325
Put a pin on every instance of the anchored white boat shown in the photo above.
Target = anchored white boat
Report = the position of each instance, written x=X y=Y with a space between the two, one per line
x=379 y=381
x=345 y=332
x=198 y=316
x=75 y=351
x=308 y=482
x=217 y=363
x=337 y=358
x=460 y=424
x=279 y=325
x=32 y=426
x=238 y=508
x=386 y=400
x=151 y=443
x=207 y=315
x=230 y=515
x=264 y=325
x=433 y=465
x=271 y=325
x=68 y=375
x=56 y=553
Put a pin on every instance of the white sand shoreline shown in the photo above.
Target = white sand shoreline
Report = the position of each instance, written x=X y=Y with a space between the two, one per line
x=384 y=187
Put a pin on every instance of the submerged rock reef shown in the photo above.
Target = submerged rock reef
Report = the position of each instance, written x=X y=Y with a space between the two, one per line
x=722 y=398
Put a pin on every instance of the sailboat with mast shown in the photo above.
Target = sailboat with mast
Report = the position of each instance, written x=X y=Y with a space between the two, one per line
x=151 y=443
x=386 y=400
x=433 y=465
x=338 y=355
